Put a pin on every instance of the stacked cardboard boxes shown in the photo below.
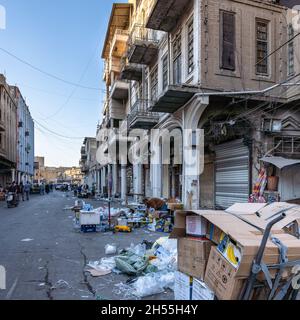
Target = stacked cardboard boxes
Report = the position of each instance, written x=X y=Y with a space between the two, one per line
x=218 y=247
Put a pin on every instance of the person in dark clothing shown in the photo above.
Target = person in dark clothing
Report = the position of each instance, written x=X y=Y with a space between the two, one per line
x=13 y=188
x=47 y=188
x=27 y=190
x=22 y=191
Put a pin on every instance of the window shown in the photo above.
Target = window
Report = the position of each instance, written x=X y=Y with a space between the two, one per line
x=291 y=50
x=262 y=47
x=177 y=59
x=154 y=84
x=190 y=38
x=288 y=145
x=165 y=71
x=146 y=85
x=228 y=40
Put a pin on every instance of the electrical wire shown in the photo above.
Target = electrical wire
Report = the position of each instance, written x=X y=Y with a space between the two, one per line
x=57 y=134
x=48 y=73
x=75 y=88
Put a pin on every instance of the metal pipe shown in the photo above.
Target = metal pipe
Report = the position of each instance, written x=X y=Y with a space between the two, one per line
x=233 y=93
x=257 y=261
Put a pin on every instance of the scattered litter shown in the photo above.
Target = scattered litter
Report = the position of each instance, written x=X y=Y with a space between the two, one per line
x=104 y=265
x=152 y=284
x=110 y=249
x=42 y=284
x=61 y=284
x=99 y=273
x=26 y=240
x=67 y=208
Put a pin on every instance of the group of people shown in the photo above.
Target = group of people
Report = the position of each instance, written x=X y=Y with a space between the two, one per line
x=20 y=190
x=85 y=189
x=45 y=188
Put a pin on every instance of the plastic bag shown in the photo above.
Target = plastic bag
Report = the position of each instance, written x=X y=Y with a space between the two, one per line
x=110 y=249
x=147 y=286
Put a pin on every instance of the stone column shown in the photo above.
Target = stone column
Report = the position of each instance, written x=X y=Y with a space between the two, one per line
x=115 y=179
x=124 y=182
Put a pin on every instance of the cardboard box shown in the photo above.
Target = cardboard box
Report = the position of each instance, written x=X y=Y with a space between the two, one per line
x=214 y=233
x=196 y=226
x=220 y=277
x=294 y=228
x=182 y=289
x=89 y=218
x=188 y=288
x=245 y=236
x=193 y=255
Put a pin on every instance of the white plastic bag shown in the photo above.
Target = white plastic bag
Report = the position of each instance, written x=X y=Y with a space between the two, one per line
x=110 y=249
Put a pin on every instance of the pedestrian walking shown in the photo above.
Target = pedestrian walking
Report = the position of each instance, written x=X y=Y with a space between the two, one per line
x=27 y=190
x=22 y=191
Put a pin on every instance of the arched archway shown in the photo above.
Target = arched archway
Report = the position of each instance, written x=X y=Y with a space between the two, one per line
x=166 y=159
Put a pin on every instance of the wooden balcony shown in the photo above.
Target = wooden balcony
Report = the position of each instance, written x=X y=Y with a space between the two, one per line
x=119 y=43
x=165 y=14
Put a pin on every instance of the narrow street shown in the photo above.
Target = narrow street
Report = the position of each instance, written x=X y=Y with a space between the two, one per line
x=57 y=252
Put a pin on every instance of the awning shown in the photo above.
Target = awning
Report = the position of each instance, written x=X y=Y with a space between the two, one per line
x=119 y=19
x=280 y=162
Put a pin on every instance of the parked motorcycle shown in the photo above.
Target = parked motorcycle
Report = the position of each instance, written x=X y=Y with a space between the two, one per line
x=12 y=200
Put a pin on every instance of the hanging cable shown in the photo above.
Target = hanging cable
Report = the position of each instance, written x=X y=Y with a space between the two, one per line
x=48 y=73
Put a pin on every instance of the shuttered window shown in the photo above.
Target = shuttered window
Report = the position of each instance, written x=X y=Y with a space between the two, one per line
x=177 y=59
x=262 y=47
x=291 y=62
x=165 y=71
x=190 y=52
x=228 y=40
x=154 y=84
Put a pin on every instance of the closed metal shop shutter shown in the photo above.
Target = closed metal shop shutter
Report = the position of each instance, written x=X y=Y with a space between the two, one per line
x=232 y=173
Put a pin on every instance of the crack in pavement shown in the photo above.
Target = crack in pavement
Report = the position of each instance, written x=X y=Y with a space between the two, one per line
x=85 y=278
x=48 y=282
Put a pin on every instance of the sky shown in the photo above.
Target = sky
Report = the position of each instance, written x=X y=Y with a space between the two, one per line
x=64 y=38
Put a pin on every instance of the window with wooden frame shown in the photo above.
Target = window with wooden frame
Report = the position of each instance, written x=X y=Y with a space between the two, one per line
x=190 y=46
x=228 y=39
x=165 y=71
x=262 y=47
x=177 y=57
x=154 y=83
x=291 y=57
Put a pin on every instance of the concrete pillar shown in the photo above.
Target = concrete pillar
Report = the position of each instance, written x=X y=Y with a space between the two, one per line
x=115 y=179
x=193 y=157
x=109 y=175
x=173 y=183
x=13 y=174
x=124 y=182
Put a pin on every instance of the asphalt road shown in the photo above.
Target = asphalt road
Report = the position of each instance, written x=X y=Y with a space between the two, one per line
x=56 y=251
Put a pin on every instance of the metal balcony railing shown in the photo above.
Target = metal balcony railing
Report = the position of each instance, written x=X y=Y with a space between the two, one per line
x=143 y=34
x=140 y=109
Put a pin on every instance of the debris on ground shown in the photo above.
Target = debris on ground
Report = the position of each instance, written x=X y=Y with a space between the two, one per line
x=110 y=249
x=61 y=284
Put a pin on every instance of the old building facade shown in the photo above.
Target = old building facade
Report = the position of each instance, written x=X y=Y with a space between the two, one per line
x=88 y=162
x=8 y=133
x=222 y=77
x=25 y=139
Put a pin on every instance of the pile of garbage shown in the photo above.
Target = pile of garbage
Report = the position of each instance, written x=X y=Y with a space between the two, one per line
x=88 y=218
x=151 y=267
